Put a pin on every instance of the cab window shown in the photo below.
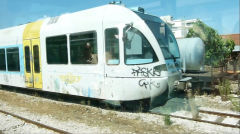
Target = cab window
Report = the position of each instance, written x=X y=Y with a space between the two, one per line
x=137 y=49
x=112 y=46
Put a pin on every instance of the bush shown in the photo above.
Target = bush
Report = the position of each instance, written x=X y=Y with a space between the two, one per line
x=225 y=89
x=217 y=49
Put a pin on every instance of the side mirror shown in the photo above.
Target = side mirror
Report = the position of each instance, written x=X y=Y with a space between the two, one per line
x=125 y=30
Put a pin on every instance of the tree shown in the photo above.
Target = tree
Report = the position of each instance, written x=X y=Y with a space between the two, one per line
x=217 y=49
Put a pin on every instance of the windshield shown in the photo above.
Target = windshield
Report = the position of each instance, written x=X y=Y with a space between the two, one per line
x=164 y=36
x=165 y=39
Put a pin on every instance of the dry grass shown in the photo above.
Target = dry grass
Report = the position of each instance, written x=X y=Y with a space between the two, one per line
x=85 y=114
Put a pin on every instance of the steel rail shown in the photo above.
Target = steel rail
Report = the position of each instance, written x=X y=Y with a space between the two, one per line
x=220 y=113
x=175 y=116
x=199 y=120
x=36 y=123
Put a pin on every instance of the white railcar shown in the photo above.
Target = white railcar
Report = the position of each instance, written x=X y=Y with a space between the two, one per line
x=108 y=52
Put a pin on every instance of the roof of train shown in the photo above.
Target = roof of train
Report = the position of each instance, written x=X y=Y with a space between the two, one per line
x=65 y=21
x=12 y=35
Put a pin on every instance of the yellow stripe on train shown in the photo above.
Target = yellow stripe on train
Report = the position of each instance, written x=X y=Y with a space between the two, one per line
x=32 y=57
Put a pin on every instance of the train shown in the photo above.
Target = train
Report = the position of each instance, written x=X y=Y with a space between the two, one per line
x=109 y=53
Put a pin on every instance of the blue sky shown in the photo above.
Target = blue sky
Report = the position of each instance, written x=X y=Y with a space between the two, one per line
x=222 y=15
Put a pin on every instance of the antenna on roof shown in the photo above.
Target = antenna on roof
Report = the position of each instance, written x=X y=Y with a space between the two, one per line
x=116 y=3
x=138 y=9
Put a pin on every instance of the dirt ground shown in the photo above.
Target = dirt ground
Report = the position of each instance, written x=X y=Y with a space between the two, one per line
x=117 y=122
x=88 y=119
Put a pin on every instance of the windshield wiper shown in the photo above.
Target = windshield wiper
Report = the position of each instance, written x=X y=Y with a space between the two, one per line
x=174 y=58
x=167 y=48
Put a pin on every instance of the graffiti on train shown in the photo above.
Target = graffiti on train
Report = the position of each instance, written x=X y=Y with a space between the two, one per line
x=145 y=72
x=148 y=84
x=70 y=78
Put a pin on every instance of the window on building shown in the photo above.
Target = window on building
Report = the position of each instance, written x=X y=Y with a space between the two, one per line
x=27 y=59
x=13 y=59
x=2 y=60
x=57 y=50
x=189 y=24
x=36 y=59
x=83 y=48
x=112 y=46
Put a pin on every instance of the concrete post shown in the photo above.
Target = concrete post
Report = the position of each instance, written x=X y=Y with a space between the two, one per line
x=191 y=101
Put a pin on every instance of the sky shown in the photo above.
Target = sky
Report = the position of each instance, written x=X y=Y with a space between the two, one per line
x=222 y=15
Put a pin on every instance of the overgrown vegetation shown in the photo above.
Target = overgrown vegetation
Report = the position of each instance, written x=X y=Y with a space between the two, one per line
x=224 y=89
x=217 y=49
x=235 y=102
x=225 y=93
x=167 y=120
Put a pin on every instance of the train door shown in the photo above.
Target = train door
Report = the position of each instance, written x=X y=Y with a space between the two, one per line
x=33 y=76
x=112 y=53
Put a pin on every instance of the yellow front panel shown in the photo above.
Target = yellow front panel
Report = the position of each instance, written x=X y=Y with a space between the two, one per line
x=31 y=35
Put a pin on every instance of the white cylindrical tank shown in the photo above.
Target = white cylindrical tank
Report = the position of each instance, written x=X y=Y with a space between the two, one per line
x=192 y=52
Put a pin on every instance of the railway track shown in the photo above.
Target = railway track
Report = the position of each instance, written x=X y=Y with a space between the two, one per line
x=220 y=114
x=218 y=121
x=36 y=123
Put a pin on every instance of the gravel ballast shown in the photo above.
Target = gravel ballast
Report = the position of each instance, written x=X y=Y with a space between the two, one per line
x=77 y=118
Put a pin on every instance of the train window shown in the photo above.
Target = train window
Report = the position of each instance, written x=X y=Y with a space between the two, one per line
x=112 y=46
x=27 y=59
x=36 y=59
x=57 y=50
x=83 y=48
x=137 y=49
x=13 y=59
x=2 y=60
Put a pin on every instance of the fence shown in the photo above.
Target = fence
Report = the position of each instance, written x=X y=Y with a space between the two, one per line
x=216 y=72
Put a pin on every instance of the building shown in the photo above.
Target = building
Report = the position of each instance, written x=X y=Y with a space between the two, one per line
x=235 y=38
x=179 y=28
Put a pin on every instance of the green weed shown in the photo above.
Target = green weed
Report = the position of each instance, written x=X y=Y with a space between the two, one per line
x=225 y=89
x=167 y=120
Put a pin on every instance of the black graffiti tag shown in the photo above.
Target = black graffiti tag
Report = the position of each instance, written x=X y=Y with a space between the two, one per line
x=143 y=82
x=145 y=72
x=148 y=84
